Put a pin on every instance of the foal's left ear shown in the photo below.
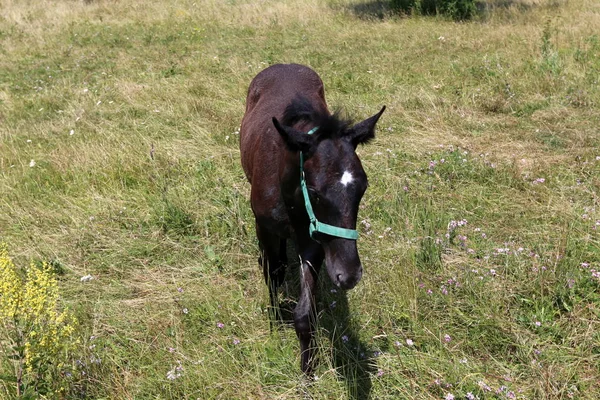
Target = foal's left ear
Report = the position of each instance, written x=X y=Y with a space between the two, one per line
x=294 y=139
x=364 y=131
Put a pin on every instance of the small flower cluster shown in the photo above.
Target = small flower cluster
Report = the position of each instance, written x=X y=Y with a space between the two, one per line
x=175 y=372
x=367 y=226
x=236 y=341
x=451 y=233
x=594 y=273
x=386 y=231
x=452 y=225
x=501 y=392
x=504 y=390
x=484 y=386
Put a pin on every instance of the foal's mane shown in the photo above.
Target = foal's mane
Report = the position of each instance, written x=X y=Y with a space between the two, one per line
x=330 y=125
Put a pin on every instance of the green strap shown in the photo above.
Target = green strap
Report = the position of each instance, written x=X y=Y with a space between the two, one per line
x=316 y=226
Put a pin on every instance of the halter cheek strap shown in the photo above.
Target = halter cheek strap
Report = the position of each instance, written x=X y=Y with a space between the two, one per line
x=315 y=226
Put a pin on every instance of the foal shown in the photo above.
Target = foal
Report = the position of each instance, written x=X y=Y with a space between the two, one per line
x=306 y=184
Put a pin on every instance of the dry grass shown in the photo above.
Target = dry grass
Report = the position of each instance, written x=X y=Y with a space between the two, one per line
x=147 y=194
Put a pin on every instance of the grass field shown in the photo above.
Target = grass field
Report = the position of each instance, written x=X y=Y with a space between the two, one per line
x=480 y=232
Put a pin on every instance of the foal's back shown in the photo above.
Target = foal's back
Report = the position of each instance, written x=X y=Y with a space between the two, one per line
x=270 y=92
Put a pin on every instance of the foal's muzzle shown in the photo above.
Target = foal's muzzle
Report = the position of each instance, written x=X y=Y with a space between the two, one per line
x=347 y=281
x=343 y=264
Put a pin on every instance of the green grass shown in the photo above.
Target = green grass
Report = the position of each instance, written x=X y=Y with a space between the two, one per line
x=147 y=195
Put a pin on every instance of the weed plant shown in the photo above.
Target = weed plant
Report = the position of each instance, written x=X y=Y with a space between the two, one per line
x=37 y=338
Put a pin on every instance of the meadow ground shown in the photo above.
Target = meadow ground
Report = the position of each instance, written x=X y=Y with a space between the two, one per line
x=480 y=232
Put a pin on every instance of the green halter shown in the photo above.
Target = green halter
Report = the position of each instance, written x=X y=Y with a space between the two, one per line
x=316 y=226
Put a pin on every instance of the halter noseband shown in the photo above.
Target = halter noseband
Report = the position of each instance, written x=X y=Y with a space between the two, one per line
x=315 y=226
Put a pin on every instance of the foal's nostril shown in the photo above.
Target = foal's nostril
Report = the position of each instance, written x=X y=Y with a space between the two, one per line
x=347 y=281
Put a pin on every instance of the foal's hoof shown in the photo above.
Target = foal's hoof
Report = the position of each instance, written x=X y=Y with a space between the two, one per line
x=307 y=368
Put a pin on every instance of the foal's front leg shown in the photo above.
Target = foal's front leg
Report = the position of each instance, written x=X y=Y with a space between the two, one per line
x=305 y=313
x=274 y=262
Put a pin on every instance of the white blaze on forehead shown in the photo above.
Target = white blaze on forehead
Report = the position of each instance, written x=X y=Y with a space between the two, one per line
x=346 y=178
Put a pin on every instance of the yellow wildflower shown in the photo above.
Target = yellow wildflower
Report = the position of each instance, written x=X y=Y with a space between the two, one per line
x=30 y=318
x=10 y=286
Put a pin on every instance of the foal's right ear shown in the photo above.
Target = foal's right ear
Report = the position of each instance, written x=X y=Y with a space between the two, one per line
x=295 y=140
x=364 y=131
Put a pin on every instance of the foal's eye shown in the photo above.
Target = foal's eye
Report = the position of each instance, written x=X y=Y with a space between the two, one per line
x=314 y=197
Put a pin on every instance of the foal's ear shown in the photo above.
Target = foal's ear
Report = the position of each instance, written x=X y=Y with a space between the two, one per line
x=295 y=140
x=364 y=131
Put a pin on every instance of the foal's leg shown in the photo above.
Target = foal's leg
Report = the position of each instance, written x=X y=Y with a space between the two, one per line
x=305 y=313
x=274 y=263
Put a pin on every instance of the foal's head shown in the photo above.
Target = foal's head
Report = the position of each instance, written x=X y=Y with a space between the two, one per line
x=334 y=176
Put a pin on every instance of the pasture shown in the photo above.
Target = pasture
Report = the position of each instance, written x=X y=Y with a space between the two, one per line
x=479 y=233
